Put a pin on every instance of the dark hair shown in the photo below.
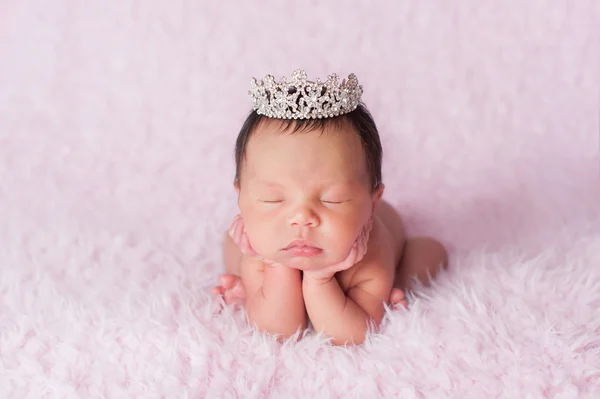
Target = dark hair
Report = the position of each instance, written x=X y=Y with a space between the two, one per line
x=360 y=120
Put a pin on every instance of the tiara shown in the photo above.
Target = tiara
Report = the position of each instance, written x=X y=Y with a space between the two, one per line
x=303 y=99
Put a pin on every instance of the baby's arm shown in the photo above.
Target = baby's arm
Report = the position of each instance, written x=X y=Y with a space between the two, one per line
x=345 y=317
x=274 y=300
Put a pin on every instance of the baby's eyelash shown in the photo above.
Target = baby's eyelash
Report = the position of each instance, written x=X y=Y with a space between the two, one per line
x=323 y=201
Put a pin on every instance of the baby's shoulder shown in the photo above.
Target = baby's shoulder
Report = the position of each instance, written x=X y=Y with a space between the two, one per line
x=381 y=246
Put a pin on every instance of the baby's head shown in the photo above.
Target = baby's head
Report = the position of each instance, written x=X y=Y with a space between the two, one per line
x=316 y=181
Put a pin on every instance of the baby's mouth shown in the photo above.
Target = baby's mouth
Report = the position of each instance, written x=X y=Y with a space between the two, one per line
x=302 y=248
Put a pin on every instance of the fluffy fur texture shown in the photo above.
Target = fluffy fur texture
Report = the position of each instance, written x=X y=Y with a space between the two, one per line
x=117 y=125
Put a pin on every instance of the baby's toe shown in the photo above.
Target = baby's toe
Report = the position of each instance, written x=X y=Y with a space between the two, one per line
x=231 y=288
x=396 y=296
x=233 y=298
x=238 y=289
x=228 y=281
x=400 y=305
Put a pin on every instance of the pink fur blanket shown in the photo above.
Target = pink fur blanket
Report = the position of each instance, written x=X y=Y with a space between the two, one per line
x=117 y=125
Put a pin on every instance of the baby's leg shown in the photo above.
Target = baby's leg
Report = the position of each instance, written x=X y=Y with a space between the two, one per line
x=423 y=258
x=231 y=286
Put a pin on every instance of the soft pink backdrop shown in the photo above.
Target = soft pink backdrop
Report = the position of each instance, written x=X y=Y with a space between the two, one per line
x=118 y=119
x=131 y=106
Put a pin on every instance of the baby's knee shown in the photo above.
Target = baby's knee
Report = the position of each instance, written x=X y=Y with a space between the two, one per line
x=423 y=258
x=439 y=253
x=426 y=253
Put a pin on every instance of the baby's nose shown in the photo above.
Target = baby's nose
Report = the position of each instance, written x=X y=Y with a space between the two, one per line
x=304 y=216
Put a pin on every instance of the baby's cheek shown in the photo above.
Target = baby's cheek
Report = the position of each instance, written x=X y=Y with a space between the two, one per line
x=341 y=240
x=258 y=236
x=254 y=235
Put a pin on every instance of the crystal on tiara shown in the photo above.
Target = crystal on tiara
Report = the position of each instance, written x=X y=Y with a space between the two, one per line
x=303 y=99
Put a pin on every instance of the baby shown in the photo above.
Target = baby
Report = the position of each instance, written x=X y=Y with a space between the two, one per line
x=314 y=240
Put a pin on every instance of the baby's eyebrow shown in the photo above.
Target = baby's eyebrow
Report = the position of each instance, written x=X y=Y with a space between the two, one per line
x=338 y=184
x=266 y=183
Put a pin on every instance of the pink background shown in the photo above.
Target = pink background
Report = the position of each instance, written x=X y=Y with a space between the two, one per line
x=129 y=111
x=118 y=119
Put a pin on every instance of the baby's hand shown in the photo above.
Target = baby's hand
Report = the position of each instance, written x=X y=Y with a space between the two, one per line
x=356 y=254
x=232 y=289
x=239 y=237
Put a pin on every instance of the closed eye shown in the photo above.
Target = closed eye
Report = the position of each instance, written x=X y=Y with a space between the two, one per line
x=272 y=201
x=333 y=202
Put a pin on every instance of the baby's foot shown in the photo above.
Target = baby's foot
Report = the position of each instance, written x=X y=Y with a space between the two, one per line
x=231 y=288
x=397 y=298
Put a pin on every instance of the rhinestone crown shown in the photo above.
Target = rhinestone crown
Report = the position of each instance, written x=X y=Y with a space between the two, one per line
x=303 y=99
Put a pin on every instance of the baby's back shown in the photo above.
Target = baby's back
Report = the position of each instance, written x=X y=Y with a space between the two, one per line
x=392 y=221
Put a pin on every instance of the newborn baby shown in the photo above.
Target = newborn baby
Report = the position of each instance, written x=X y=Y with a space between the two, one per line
x=314 y=240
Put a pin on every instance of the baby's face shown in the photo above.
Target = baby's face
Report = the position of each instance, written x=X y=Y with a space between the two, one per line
x=311 y=187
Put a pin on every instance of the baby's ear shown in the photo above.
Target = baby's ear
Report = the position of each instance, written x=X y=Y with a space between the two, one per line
x=377 y=194
x=379 y=191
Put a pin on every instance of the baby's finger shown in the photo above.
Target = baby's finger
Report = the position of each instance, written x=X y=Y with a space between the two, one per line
x=351 y=258
x=245 y=246
x=239 y=231
x=369 y=228
x=234 y=222
x=234 y=229
x=362 y=248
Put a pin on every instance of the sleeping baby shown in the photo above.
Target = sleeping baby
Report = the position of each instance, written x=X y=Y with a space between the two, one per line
x=314 y=240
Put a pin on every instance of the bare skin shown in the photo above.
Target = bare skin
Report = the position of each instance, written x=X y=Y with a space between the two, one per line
x=419 y=257
x=316 y=242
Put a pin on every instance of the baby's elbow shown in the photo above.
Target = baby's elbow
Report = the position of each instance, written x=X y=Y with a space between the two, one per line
x=355 y=337
x=282 y=328
x=350 y=341
x=357 y=334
